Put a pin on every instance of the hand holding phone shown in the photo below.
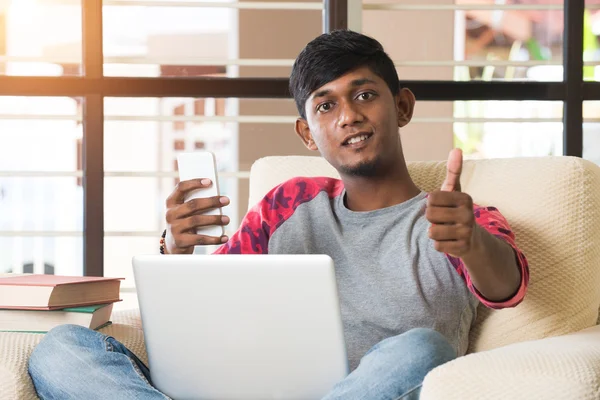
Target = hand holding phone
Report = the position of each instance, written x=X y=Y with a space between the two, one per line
x=194 y=216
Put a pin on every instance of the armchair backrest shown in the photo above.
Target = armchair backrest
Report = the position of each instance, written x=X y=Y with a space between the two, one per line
x=553 y=206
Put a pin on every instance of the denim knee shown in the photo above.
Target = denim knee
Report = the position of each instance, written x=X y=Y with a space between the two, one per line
x=422 y=346
x=59 y=344
x=429 y=347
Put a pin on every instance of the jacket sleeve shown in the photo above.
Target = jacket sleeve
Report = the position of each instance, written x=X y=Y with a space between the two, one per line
x=492 y=220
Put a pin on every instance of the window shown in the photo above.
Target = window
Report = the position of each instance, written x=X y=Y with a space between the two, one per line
x=102 y=127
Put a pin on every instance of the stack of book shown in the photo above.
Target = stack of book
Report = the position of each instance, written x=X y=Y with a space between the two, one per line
x=38 y=303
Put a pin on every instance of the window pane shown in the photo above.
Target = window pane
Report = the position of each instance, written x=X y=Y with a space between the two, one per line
x=41 y=195
x=484 y=129
x=591 y=141
x=482 y=41
x=53 y=206
x=145 y=134
x=591 y=45
x=41 y=255
x=151 y=40
x=40 y=37
x=591 y=131
x=39 y=133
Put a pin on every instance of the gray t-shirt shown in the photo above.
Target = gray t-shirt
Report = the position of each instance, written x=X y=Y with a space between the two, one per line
x=390 y=277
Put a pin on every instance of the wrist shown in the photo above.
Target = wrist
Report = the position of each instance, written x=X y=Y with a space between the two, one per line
x=163 y=246
x=477 y=247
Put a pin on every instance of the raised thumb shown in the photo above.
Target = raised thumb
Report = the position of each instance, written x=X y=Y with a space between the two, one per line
x=453 y=171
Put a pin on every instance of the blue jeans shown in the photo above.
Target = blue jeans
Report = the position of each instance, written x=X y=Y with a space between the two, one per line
x=73 y=362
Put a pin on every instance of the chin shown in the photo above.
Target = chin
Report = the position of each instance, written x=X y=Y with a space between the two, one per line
x=366 y=168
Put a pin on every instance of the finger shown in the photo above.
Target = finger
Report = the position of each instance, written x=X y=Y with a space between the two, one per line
x=453 y=171
x=444 y=233
x=196 y=221
x=195 y=206
x=449 y=199
x=446 y=215
x=184 y=187
x=188 y=240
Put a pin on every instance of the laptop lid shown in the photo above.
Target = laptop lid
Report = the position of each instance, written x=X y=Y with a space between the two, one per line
x=241 y=326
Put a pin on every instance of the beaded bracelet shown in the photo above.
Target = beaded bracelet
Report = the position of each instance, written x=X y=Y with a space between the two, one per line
x=162 y=242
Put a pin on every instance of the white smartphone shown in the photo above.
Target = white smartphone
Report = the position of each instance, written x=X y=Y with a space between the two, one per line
x=197 y=165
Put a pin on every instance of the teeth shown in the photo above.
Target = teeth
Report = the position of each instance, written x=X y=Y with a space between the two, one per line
x=357 y=139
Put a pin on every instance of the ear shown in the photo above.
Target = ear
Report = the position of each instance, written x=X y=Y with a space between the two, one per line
x=405 y=105
x=303 y=131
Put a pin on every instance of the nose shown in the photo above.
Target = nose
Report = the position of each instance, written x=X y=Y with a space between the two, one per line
x=349 y=114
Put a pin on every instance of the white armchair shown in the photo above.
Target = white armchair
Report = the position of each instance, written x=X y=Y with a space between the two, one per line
x=553 y=205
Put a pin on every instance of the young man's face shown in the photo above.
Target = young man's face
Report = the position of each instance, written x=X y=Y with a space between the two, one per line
x=353 y=121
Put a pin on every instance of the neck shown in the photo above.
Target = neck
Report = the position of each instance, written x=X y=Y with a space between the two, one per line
x=392 y=187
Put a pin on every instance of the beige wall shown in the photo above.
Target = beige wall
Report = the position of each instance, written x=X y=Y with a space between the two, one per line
x=282 y=34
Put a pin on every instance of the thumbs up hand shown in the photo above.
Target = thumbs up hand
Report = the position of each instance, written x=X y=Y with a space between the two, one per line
x=450 y=212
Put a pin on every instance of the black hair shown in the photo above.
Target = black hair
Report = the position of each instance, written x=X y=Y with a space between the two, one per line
x=334 y=54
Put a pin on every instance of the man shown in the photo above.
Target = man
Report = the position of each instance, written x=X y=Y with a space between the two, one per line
x=411 y=267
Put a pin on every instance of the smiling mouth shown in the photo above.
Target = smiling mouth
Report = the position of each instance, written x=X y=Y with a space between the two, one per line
x=357 y=139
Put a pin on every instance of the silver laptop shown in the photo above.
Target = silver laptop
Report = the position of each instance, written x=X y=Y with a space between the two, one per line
x=231 y=327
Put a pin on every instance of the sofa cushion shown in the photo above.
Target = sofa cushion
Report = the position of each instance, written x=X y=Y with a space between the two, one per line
x=552 y=204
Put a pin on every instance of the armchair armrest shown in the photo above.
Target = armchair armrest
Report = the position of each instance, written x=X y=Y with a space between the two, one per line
x=561 y=367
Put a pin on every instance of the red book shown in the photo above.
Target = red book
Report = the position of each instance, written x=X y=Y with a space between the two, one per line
x=52 y=292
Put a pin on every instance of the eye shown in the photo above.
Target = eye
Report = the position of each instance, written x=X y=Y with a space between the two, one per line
x=324 y=107
x=366 y=96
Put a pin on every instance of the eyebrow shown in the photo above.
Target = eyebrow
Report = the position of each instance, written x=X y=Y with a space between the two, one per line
x=355 y=83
